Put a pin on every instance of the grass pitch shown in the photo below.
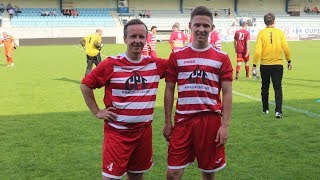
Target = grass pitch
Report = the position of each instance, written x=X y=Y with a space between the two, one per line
x=47 y=132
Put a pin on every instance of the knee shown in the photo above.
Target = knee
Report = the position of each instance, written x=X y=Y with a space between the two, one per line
x=134 y=176
x=174 y=174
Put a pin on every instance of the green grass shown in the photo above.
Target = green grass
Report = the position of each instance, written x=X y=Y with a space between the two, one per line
x=47 y=132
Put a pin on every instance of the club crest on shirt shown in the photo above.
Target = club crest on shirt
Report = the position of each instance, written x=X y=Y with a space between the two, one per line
x=133 y=82
x=198 y=76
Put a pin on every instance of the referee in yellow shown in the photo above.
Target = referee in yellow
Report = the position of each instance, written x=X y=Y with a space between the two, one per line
x=92 y=45
x=270 y=44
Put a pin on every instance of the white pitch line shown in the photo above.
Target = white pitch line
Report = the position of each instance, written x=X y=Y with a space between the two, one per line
x=308 y=113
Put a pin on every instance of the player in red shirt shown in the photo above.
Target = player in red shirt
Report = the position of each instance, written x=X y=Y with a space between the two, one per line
x=131 y=82
x=241 y=46
x=202 y=116
x=177 y=37
x=149 y=48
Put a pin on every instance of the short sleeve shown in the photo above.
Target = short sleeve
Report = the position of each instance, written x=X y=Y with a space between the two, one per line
x=162 y=65
x=226 y=69
x=100 y=75
x=172 y=71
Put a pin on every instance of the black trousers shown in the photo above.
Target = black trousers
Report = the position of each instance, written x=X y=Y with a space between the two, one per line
x=275 y=73
x=92 y=60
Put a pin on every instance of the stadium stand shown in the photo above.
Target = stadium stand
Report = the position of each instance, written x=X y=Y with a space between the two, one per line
x=106 y=15
x=87 y=17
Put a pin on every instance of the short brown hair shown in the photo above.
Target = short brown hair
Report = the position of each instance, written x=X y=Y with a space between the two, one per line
x=133 y=22
x=269 y=19
x=201 y=11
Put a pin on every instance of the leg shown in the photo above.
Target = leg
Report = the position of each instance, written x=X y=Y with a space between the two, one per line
x=97 y=59
x=276 y=77
x=238 y=69
x=265 y=76
x=174 y=174
x=180 y=152
x=247 y=69
x=208 y=176
x=89 y=64
x=134 y=176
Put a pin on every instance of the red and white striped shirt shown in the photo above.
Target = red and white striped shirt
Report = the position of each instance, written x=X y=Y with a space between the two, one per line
x=130 y=87
x=177 y=39
x=215 y=39
x=152 y=40
x=198 y=74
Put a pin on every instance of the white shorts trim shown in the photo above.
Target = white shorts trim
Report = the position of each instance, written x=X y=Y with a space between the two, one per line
x=213 y=170
x=143 y=171
x=111 y=176
x=180 y=167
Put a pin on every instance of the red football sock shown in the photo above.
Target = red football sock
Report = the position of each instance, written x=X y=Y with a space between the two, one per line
x=238 y=68
x=247 y=71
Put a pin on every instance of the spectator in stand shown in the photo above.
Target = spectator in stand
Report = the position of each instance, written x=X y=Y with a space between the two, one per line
x=1 y=7
x=215 y=14
x=241 y=21
x=315 y=10
x=11 y=13
x=9 y=7
x=54 y=12
x=305 y=10
x=45 y=12
x=148 y=14
x=17 y=9
x=308 y=10
x=74 y=12
x=229 y=12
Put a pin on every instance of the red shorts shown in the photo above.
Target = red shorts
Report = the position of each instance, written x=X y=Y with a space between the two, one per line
x=241 y=57
x=126 y=151
x=196 y=139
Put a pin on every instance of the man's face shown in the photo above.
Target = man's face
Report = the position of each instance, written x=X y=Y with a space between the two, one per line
x=201 y=26
x=136 y=38
x=154 y=30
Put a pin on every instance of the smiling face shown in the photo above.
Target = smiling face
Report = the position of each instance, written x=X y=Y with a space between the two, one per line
x=201 y=26
x=135 y=39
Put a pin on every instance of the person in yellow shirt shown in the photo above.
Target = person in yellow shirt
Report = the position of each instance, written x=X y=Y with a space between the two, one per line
x=270 y=44
x=92 y=45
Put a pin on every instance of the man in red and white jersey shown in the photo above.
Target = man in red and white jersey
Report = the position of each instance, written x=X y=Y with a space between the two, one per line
x=131 y=82
x=214 y=39
x=149 y=48
x=177 y=37
x=241 y=46
x=202 y=117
